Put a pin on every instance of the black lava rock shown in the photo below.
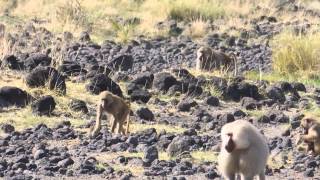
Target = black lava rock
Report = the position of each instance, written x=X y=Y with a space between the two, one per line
x=78 y=106
x=145 y=113
x=13 y=96
x=43 y=106
x=101 y=82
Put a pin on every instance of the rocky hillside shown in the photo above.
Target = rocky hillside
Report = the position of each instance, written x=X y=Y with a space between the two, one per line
x=54 y=66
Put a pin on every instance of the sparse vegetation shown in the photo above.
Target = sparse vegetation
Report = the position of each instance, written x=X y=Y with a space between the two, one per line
x=296 y=54
x=97 y=16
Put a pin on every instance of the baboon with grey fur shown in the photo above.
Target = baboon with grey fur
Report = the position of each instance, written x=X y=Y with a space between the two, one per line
x=244 y=151
x=209 y=59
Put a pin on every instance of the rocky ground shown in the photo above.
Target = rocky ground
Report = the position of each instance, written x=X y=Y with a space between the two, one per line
x=177 y=112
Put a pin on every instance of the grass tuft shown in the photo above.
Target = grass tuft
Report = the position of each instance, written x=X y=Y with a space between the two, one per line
x=296 y=54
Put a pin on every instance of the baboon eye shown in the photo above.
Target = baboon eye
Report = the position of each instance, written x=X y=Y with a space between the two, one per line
x=229 y=134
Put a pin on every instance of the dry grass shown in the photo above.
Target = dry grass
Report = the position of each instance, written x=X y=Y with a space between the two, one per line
x=296 y=53
x=197 y=28
x=23 y=118
x=96 y=16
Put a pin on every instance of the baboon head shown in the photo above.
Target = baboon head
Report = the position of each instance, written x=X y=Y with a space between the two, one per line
x=107 y=101
x=307 y=122
x=203 y=53
x=230 y=146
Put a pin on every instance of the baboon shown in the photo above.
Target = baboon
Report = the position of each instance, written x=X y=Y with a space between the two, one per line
x=209 y=59
x=112 y=105
x=244 y=151
x=311 y=135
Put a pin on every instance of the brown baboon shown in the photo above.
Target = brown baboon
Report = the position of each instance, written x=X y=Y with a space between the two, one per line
x=209 y=59
x=311 y=135
x=244 y=151
x=115 y=106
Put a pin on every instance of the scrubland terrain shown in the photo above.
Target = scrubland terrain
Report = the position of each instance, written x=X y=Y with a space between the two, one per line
x=56 y=56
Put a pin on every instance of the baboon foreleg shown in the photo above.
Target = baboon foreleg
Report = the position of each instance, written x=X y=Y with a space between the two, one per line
x=309 y=137
x=97 y=126
x=262 y=176
x=230 y=177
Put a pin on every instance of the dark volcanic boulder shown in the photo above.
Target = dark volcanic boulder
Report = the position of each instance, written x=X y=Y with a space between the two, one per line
x=70 y=68
x=7 y=128
x=140 y=95
x=43 y=106
x=249 y=103
x=101 y=82
x=121 y=62
x=237 y=90
x=194 y=90
x=150 y=154
x=186 y=104
x=218 y=83
x=179 y=145
x=95 y=69
x=278 y=116
x=41 y=76
x=212 y=101
x=12 y=62
x=144 y=79
x=78 y=106
x=299 y=86
x=163 y=81
x=276 y=94
x=183 y=74
x=145 y=113
x=37 y=59
x=13 y=96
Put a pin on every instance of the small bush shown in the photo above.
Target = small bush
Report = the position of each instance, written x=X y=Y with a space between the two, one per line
x=197 y=28
x=72 y=12
x=294 y=54
x=197 y=9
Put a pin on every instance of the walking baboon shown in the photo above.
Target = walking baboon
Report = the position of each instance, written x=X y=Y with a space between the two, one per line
x=244 y=151
x=311 y=135
x=114 y=106
x=209 y=59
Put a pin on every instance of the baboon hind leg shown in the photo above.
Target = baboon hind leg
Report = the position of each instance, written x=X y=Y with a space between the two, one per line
x=122 y=120
x=97 y=126
x=114 y=123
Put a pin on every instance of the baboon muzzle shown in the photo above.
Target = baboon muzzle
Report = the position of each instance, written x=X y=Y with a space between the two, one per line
x=231 y=145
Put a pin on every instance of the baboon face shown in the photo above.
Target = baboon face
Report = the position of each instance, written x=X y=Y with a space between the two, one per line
x=306 y=123
x=107 y=101
x=230 y=146
x=202 y=53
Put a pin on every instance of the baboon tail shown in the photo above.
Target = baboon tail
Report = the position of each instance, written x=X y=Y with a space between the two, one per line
x=234 y=58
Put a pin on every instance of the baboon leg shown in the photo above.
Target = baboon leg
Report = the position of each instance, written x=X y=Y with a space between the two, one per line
x=114 y=123
x=97 y=127
x=246 y=177
x=122 y=119
x=262 y=176
x=110 y=121
x=230 y=177
x=126 y=117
